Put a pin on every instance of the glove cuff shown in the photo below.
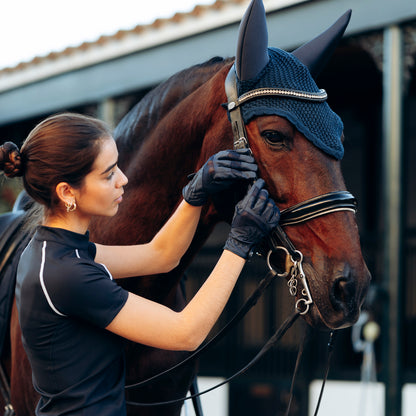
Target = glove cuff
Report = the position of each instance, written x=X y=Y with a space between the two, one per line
x=193 y=197
x=241 y=249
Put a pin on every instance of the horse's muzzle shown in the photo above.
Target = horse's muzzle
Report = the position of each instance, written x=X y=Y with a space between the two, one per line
x=347 y=295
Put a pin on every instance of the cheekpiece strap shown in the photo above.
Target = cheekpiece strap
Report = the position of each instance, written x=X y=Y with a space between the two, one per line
x=237 y=123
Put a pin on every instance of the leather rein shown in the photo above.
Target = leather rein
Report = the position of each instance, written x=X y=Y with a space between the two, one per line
x=276 y=241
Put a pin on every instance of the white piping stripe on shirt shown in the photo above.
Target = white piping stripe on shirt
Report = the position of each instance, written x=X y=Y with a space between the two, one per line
x=102 y=264
x=42 y=282
x=108 y=271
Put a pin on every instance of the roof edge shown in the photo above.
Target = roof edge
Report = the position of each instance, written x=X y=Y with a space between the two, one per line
x=201 y=19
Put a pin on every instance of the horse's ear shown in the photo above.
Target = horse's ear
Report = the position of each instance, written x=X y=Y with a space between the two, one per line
x=252 y=55
x=316 y=53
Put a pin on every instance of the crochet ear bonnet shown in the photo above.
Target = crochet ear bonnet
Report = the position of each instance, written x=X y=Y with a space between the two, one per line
x=262 y=67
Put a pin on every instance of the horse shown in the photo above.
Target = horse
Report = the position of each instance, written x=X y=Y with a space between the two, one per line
x=168 y=135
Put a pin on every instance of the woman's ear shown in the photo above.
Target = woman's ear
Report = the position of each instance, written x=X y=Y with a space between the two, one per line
x=65 y=193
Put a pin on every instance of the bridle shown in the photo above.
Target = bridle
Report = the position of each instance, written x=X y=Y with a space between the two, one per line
x=299 y=213
x=276 y=241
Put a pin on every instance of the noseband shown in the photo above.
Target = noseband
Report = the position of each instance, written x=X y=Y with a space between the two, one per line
x=297 y=214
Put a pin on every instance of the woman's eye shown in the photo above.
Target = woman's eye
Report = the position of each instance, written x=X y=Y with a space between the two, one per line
x=110 y=175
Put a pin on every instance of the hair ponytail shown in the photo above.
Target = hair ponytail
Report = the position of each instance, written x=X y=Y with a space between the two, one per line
x=10 y=160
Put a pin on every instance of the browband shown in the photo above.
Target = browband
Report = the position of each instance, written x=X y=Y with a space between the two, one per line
x=280 y=92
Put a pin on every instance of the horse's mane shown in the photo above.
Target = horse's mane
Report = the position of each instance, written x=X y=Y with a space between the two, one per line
x=156 y=104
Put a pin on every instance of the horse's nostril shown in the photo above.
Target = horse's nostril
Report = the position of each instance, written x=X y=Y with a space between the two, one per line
x=343 y=294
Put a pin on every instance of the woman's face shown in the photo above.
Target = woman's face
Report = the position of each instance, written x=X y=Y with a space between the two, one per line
x=102 y=190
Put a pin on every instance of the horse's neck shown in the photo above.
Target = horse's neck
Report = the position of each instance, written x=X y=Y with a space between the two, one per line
x=139 y=124
x=158 y=168
x=179 y=145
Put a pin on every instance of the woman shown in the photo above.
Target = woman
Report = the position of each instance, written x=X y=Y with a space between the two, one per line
x=71 y=312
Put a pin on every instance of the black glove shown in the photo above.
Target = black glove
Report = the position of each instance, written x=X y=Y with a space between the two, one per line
x=255 y=217
x=219 y=173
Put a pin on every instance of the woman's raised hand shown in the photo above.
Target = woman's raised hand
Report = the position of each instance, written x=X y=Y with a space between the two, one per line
x=219 y=173
x=256 y=215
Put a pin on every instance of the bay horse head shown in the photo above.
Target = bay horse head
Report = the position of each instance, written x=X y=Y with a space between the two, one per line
x=276 y=108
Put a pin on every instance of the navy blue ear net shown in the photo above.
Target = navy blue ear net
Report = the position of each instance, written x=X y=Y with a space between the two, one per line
x=258 y=66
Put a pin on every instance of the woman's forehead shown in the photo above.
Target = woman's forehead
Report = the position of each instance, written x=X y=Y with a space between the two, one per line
x=107 y=155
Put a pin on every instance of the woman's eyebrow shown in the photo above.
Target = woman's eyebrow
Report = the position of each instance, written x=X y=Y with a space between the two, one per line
x=109 y=168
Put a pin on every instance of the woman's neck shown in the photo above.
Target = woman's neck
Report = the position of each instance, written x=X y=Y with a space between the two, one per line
x=68 y=222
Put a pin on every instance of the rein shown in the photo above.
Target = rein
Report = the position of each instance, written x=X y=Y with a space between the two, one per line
x=269 y=344
x=248 y=304
x=276 y=241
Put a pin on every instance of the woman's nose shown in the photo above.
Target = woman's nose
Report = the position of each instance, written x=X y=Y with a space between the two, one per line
x=122 y=179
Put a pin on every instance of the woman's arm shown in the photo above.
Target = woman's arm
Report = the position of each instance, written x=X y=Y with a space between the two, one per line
x=150 y=323
x=161 y=254
x=165 y=250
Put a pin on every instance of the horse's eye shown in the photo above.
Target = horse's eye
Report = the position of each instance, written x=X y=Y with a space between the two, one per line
x=274 y=137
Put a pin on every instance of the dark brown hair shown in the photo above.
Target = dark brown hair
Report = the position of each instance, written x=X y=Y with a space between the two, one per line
x=61 y=148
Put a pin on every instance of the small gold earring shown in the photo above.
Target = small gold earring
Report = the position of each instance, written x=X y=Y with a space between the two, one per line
x=70 y=206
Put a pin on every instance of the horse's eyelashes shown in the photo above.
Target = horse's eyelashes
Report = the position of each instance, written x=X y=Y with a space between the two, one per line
x=276 y=138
